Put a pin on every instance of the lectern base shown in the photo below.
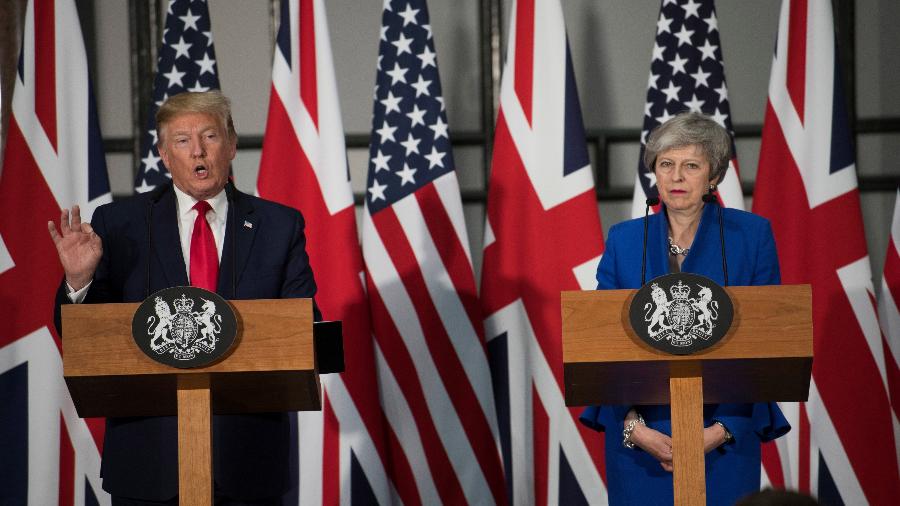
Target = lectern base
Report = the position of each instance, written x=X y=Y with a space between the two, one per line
x=195 y=483
x=686 y=390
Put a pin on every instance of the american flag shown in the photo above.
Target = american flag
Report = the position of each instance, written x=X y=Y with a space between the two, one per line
x=429 y=340
x=807 y=187
x=342 y=449
x=686 y=74
x=543 y=235
x=54 y=158
x=889 y=317
x=186 y=62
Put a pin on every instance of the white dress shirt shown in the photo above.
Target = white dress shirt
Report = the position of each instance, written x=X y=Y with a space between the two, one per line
x=216 y=217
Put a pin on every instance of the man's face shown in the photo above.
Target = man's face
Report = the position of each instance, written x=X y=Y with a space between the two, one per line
x=198 y=153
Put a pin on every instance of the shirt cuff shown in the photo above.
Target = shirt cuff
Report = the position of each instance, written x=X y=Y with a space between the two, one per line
x=77 y=296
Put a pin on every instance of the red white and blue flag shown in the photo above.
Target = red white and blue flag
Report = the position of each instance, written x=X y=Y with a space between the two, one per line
x=686 y=74
x=842 y=446
x=543 y=235
x=186 y=62
x=342 y=449
x=889 y=317
x=433 y=373
x=53 y=158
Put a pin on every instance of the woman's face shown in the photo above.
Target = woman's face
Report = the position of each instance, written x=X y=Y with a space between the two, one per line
x=682 y=177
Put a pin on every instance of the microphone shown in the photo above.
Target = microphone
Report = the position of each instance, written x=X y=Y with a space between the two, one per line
x=155 y=196
x=229 y=195
x=708 y=198
x=722 y=243
x=651 y=201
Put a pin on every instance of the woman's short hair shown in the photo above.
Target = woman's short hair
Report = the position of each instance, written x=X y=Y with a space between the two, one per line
x=691 y=129
x=208 y=102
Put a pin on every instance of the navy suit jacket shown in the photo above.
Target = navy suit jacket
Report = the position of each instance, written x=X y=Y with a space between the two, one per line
x=264 y=257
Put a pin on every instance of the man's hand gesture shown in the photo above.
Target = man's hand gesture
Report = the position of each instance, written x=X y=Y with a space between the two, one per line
x=78 y=246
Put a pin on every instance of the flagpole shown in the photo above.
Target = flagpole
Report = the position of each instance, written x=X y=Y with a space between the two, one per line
x=143 y=26
x=489 y=22
x=12 y=19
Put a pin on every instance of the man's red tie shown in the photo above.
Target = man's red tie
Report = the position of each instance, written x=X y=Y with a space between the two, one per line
x=204 y=255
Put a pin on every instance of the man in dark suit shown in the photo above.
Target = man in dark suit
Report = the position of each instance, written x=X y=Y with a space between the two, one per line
x=201 y=231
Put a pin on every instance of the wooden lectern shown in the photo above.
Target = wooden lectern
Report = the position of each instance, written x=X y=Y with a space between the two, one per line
x=270 y=368
x=765 y=356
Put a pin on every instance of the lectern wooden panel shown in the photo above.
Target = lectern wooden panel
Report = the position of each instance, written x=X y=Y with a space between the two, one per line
x=766 y=355
x=270 y=368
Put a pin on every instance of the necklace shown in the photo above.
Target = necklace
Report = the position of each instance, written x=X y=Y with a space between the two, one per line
x=676 y=250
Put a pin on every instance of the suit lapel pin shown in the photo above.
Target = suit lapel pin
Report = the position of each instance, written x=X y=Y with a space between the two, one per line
x=247 y=224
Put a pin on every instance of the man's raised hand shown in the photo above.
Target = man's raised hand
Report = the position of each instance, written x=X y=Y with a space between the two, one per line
x=79 y=248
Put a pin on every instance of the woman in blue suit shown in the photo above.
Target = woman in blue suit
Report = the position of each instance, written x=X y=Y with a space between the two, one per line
x=689 y=155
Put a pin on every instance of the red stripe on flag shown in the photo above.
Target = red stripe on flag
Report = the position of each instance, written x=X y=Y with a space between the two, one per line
x=524 y=80
x=401 y=364
x=893 y=376
x=771 y=459
x=45 y=67
x=309 y=82
x=331 y=461
x=66 y=466
x=453 y=254
x=404 y=480
x=28 y=290
x=803 y=450
x=891 y=372
x=892 y=284
x=796 y=56
x=541 y=428
x=441 y=348
x=892 y=268
x=891 y=271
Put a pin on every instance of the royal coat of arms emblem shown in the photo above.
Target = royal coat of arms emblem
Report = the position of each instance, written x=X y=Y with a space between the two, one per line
x=198 y=331
x=684 y=323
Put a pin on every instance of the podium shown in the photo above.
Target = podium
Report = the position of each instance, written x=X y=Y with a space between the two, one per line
x=765 y=356
x=271 y=367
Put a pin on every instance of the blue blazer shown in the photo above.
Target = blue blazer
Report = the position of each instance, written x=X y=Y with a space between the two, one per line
x=265 y=250
x=633 y=476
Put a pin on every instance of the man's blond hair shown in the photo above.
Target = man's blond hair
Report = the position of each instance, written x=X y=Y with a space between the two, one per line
x=212 y=102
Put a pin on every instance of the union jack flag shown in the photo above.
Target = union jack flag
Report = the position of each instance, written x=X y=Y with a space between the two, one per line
x=686 y=74
x=806 y=186
x=543 y=235
x=889 y=316
x=186 y=62
x=342 y=449
x=54 y=158
x=429 y=340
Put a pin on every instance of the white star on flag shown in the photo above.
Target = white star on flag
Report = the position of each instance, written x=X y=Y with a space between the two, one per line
x=406 y=175
x=189 y=20
x=206 y=64
x=391 y=103
x=174 y=76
